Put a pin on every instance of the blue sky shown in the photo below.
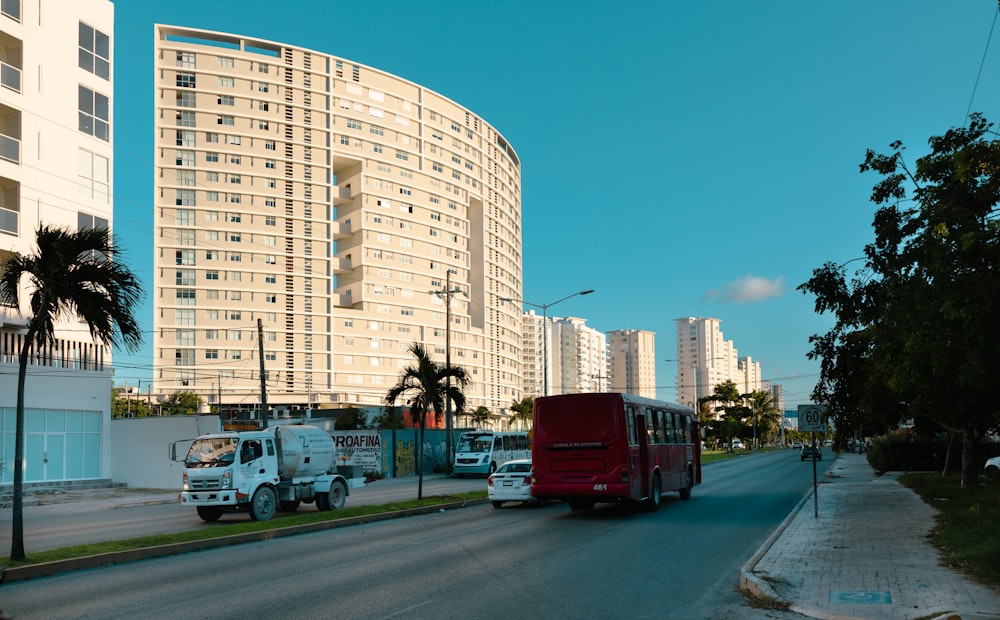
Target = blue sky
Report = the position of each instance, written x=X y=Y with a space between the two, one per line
x=681 y=158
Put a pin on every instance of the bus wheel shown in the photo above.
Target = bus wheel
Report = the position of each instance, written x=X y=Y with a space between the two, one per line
x=581 y=504
x=653 y=503
x=686 y=491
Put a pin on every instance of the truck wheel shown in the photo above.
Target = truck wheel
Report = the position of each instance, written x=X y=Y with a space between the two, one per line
x=263 y=504
x=337 y=496
x=289 y=506
x=209 y=513
x=323 y=502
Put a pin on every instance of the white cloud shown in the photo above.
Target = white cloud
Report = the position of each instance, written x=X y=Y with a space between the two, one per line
x=745 y=290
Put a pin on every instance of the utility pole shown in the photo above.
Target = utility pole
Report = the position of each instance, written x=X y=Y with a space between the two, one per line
x=446 y=294
x=263 y=377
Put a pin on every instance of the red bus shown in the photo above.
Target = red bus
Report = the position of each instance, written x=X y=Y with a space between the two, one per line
x=591 y=448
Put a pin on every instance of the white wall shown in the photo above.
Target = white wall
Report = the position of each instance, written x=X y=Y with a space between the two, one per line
x=140 y=448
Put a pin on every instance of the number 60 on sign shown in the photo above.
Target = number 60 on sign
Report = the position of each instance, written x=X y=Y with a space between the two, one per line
x=812 y=418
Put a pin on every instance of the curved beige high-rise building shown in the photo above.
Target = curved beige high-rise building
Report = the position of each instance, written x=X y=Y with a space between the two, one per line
x=336 y=206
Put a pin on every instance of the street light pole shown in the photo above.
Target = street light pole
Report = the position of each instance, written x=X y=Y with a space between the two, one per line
x=545 y=332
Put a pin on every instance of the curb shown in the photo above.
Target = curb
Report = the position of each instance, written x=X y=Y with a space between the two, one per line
x=46 y=569
x=754 y=586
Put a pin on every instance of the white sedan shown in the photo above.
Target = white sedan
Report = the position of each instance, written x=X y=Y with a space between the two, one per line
x=511 y=482
x=993 y=466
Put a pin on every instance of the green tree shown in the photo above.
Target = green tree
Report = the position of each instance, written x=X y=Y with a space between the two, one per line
x=70 y=275
x=915 y=332
x=426 y=387
x=480 y=416
x=182 y=402
x=390 y=418
x=762 y=412
x=524 y=410
x=350 y=419
x=730 y=413
x=128 y=405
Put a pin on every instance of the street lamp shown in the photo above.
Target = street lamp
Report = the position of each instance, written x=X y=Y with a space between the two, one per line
x=545 y=332
x=447 y=293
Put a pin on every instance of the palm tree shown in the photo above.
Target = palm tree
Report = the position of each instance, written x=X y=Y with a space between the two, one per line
x=425 y=388
x=71 y=275
x=481 y=416
x=523 y=411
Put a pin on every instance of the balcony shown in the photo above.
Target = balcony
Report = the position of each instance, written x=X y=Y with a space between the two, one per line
x=10 y=66
x=341 y=230
x=342 y=195
x=341 y=265
x=10 y=134
x=9 y=197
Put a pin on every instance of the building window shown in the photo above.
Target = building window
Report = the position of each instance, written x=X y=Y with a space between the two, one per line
x=226 y=82
x=94 y=109
x=211 y=275
x=211 y=354
x=227 y=100
x=185 y=297
x=184 y=217
x=186 y=99
x=211 y=157
x=227 y=119
x=93 y=176
x=270 y=279
x=95 y=51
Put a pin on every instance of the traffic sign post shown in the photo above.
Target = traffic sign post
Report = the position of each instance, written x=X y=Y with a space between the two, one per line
x=812 y=419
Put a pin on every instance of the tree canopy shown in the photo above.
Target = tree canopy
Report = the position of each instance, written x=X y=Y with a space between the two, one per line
x=915 y=331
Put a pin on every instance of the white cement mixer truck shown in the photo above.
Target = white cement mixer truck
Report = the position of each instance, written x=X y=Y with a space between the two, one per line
x=261 y=472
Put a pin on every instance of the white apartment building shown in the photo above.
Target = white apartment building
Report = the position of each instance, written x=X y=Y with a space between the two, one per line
x=705 y=359
x=632 y=355
x=562 y=354
x=313 y=215
x=579 y=361
x=56 y=153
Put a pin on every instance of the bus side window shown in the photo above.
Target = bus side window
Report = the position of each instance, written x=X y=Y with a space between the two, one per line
x=498 y=444
x=630 y=423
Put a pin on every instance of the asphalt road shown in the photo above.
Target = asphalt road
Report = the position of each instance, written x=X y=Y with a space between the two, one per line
x=94 y=516
x=477 y=562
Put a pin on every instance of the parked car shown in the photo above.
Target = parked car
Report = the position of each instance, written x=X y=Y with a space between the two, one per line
x=811 y=452
x=737 y=444
x=511 y=482
x=797 y=445
x=993 y=467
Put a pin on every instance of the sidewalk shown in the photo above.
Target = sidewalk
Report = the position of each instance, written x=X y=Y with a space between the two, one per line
x=865 y=556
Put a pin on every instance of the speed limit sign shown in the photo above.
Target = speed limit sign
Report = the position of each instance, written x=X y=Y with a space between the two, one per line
x=812 y=418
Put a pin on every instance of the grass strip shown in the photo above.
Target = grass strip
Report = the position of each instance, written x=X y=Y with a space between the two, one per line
x=966 y=530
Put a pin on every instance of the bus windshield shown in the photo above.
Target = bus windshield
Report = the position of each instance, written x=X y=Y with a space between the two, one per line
x=475 y=443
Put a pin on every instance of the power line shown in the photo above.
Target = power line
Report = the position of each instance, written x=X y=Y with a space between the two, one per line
x=982 y=62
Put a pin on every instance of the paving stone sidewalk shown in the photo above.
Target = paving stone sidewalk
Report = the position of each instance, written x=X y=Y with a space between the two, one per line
x=866 y=555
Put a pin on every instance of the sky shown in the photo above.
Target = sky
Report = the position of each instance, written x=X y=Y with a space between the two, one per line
x=681 y=158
